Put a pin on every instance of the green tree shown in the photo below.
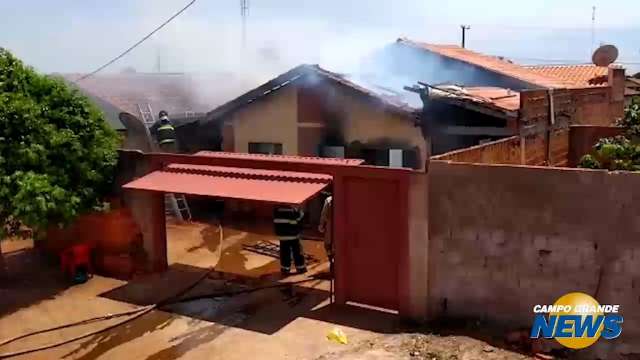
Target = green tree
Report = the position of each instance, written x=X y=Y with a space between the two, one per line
x=620 y=152
x=57 y=153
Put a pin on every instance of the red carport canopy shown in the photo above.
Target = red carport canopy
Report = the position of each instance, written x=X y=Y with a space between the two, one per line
x=282 y=187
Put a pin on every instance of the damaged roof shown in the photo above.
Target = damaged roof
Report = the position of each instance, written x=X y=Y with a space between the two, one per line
x=502 y=98
x=579 y=75
x=394 y=101
x=492 y=100
x=491 y=63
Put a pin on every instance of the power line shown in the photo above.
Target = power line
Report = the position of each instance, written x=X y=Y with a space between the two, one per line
x=138 y=43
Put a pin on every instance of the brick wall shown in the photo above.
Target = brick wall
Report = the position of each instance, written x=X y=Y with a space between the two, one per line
x=596 y=106
x=503 y=238
x=505 y=151
x=583 y=137
x=544 y=140
x=513 y=150
x=536 y=151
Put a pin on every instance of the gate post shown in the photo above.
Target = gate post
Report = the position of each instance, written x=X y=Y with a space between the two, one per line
x=147 y=209
x=418 y=249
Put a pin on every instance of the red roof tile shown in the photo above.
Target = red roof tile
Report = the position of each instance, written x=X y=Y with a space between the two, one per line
x=281 y=187
x=491 y=63
x=579 y=75
x=281 y=158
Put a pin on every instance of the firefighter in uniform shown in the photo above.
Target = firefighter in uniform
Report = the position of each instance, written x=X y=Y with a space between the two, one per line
x=287 y=222
x=166 y=133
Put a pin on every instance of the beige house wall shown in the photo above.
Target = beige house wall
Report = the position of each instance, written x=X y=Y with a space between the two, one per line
x=366 y=122
x=270 y=120
x=275 y=120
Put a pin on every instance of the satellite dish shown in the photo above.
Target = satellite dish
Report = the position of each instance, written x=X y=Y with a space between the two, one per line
x=605 y=55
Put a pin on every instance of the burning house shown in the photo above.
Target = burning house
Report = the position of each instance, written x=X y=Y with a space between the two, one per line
x=310 y=111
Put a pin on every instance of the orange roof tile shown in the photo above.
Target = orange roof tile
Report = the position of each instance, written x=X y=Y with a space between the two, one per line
x=579 y=75
x=491 y=63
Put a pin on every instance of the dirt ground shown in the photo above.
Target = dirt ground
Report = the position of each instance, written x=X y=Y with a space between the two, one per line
x=287 y=323
x=422 y=346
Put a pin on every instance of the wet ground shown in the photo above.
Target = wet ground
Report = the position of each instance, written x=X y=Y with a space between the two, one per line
x=278 y=323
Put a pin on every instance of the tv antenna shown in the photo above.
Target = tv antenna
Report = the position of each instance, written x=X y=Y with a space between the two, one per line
x=605 y=55
x=244 y=13
x=593 y=28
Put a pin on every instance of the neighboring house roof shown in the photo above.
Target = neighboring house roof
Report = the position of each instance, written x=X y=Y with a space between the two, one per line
x=491 y=63
x=111 y=112
x=171 y=92
x=586 y=75
x=393 y=101
x=580 y=75
x=115 y=93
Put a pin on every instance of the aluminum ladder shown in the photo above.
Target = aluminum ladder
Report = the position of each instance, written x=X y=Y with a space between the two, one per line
x=146 y=114
x=176 y=205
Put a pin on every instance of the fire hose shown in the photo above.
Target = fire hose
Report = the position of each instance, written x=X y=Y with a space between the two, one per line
x=136 y=313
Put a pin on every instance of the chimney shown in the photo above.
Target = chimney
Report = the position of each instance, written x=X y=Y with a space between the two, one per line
x=616 y=79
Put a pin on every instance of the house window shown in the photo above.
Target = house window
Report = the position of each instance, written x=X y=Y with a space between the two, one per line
x=394 y=158
x=332 y=151
x=265 y=148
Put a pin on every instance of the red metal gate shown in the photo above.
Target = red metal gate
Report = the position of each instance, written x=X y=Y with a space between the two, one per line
x=372 y=258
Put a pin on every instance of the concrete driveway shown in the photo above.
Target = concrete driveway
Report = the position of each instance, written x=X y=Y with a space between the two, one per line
x=268 y=324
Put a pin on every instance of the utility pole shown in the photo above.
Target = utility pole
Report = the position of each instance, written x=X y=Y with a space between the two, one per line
x=244 y=12
x=464 y=33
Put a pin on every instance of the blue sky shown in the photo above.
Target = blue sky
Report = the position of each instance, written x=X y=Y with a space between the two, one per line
x=78 y=36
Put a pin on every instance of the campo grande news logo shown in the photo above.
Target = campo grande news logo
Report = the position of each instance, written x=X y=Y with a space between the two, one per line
x=577 y=321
